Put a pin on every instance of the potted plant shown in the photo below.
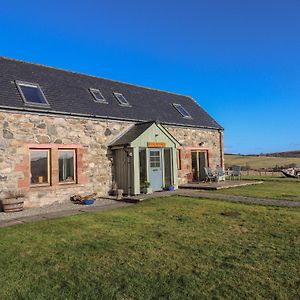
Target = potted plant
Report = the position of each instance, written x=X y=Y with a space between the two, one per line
x=171 y=187
x=145 y=188
x=13 y=201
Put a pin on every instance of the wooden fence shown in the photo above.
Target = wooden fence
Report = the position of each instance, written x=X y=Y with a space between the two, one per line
x=261 y=173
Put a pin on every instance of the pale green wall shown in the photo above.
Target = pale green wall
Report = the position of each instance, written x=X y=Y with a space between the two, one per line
x=155 y=133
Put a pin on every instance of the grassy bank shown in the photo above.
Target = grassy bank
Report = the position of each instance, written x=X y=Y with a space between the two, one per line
x=173 y=248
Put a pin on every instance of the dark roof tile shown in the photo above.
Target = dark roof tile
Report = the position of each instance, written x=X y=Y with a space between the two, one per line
x=68 y=92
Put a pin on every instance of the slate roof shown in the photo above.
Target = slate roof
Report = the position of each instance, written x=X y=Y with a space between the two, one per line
x=68 y=93
x=133 y=133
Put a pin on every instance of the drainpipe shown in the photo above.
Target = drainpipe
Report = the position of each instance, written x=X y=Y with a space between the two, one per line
x=221 y=148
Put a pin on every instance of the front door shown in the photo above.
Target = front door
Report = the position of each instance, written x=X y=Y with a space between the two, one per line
x=155 y=169
x=199 y=162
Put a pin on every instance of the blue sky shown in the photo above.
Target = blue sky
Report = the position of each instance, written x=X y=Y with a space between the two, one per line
x=239 y=59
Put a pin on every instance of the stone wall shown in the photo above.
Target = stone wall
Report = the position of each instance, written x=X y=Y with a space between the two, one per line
x=190 y=139
x=21 y=131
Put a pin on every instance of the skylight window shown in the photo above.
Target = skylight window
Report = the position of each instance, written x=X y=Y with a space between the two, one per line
x=121 y=99
x=98 y=96
x=182 y=111
x=32 y=94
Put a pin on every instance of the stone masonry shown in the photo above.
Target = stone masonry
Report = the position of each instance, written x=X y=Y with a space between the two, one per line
x=20 y=132
x=208 y=140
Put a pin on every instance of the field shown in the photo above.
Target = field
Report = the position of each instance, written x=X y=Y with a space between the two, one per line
x=259 y=162
x=167 y=248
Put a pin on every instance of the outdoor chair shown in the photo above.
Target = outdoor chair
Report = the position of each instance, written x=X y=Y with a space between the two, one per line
x=220 y=174
x=236 y=172
x=209 y=174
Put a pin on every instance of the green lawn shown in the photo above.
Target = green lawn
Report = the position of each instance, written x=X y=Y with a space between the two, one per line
x=168 y=248
x=269 y=189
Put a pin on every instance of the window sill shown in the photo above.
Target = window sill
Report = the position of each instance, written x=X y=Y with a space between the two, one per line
x=37 y=185
x=54 y=187
x=67 y=183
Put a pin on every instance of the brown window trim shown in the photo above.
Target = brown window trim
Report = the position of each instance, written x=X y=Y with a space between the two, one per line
x=75 y=166
x=35 y=185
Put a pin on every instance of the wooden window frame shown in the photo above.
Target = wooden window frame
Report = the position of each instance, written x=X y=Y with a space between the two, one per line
x=33 y=185
x=74 y=166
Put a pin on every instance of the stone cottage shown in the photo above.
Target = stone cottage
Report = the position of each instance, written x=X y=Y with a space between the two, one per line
x=64 y=132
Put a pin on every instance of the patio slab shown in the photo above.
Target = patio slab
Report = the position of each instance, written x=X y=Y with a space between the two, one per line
x=218 y=185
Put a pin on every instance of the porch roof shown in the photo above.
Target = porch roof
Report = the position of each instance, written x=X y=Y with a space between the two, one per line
x=135 y=131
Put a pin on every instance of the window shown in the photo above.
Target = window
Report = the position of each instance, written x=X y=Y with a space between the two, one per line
x=39 y=167
x=98 y=96
x=121 y=99
x=67 y=166
x=154 y=159
x=182 y=110
x=32 y=94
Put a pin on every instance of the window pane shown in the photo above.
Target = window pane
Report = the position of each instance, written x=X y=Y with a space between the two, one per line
x=66 y=163
x=39 y=162
x=97 y=95
x=182 y=110
x=154 y=159
x=32 y=94
x=121 y=99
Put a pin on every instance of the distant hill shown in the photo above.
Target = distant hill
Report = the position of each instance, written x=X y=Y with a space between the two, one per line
x=258 y=162
x=295 y=153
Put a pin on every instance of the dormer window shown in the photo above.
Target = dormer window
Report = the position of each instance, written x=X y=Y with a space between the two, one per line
x=121 y=99
x=98 y=97
x=184 y=113
x=32 y=94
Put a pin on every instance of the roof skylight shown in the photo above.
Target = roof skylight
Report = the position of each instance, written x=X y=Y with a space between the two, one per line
x=184 y=113
x=121 y=99
x=32 y=94
x=98 y=97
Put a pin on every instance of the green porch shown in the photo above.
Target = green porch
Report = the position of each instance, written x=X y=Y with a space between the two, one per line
x=145 y=155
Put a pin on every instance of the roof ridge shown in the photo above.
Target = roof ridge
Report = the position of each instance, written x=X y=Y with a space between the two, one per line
x=93 y=76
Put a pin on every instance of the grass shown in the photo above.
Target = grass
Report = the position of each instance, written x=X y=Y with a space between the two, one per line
x=260 y=162
x=168 y=248
x=270 y=189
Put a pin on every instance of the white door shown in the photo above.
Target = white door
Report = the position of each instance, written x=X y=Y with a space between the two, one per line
x=155 y=169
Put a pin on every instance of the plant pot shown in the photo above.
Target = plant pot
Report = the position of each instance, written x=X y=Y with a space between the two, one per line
x=12 y=204
x=88 y=201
